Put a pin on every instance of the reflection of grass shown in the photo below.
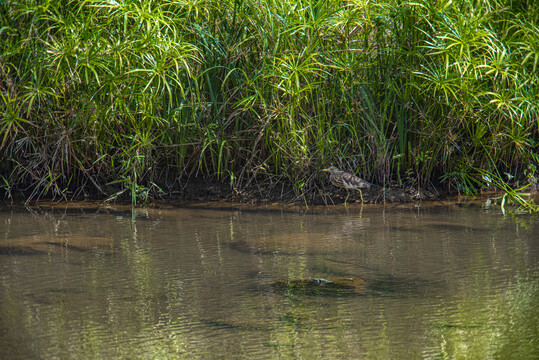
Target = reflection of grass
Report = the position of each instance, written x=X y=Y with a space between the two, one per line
x=518 y=328
x=296 y=320
x=289 y=319
x=509 y=330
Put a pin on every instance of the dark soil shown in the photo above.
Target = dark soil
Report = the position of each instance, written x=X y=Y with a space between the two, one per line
x=253 y=193
x=325 y=195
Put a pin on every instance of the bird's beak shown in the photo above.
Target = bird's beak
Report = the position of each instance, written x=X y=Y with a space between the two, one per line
x=324 y=170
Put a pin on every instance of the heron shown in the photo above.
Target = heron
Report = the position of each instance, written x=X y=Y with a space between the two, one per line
x=346 y=180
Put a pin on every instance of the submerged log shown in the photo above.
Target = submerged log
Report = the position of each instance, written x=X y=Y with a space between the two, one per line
x=332 y=287
x=48 y=244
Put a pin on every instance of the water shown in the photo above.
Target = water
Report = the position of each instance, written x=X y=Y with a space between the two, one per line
x=439 y=282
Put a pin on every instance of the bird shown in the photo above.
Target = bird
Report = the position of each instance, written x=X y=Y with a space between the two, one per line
x=346 y=180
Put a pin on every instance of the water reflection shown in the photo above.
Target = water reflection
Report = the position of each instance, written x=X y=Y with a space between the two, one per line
x=237 y=283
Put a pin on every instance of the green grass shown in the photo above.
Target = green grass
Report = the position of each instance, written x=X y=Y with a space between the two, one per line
x=118 y=97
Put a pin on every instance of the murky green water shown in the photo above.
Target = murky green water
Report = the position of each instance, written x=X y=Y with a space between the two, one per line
x=199 y=283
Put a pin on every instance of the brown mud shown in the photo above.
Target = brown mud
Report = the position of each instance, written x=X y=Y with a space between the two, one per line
x=285 y=194
x=257 y=196
x=264 y=192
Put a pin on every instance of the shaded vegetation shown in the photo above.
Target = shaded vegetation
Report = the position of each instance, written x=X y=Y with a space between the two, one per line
x=136 y=98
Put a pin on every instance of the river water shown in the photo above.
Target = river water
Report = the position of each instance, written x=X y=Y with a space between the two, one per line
x=218 y=281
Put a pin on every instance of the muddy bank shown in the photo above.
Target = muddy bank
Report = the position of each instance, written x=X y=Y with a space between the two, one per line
x=260 y=193
x=204 y=193
x=255 y=192
x=170 y=207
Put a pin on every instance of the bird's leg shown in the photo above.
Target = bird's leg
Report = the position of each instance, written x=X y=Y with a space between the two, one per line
x=347 y=195
x=361 y=195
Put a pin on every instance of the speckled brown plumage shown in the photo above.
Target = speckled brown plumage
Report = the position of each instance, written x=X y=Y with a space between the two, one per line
x=346 y=180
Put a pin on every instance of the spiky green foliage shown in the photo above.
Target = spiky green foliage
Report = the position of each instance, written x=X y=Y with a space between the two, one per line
x=135 y=93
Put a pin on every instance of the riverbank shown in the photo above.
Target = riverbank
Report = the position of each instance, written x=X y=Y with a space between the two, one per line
x=214 y=203
x=204 y=193
x=320 y=195
x=201 y=190
x=215 y=194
